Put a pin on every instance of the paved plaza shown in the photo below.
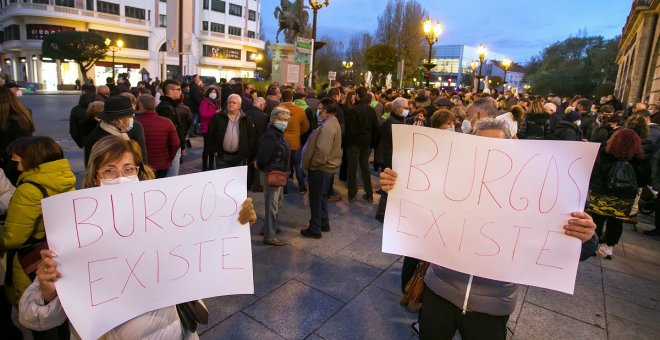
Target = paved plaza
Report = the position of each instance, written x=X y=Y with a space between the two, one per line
x=343 y=287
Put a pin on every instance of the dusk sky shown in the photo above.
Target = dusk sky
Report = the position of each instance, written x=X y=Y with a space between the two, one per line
x=517 y=28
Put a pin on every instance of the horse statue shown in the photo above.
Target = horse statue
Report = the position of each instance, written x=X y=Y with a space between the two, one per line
x=292 y=18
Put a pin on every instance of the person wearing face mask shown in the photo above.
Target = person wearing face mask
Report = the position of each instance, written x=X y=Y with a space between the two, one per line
x=117 y=120
x=399 y=113
x=45 y=172
x=207 y=110
x=443 y=120
x=569 y=128
x=15 y=122
x=273 y=155
x=113 y=161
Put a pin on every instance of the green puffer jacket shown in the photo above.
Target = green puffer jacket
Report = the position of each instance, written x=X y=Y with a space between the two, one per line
x=24 y=209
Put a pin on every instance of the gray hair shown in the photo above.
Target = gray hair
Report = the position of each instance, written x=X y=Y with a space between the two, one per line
x=234 y=95
x=399 y=102
x=492 y=124
x=147 y=102
x=258 y=101
x=280 y=113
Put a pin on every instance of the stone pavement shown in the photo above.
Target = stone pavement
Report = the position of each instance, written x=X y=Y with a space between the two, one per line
x=343 y=287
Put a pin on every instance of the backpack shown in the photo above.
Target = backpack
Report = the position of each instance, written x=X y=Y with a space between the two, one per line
x=621 y=177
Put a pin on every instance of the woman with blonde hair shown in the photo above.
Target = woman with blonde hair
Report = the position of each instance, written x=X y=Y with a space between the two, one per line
x=15 y=121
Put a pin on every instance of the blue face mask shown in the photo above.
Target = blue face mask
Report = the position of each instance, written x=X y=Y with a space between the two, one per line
x=318 y=114
x=280 y=125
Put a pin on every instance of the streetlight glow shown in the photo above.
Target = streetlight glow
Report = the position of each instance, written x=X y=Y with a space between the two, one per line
x=432 y=32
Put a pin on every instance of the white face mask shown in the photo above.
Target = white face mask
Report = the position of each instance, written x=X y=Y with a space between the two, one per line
x=578 y=122
x=405 y=113
x=118 y=180
x=213 y=95
x=19 y=93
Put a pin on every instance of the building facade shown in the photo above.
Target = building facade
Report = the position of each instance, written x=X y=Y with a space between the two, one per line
x=225 y=35
x=453 y=65
x=638 y=76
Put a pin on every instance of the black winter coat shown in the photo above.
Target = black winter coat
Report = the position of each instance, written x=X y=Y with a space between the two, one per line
x=362 y=126
x=386 y=138
x=247 y=142
x=274 y=151
x=567 y=131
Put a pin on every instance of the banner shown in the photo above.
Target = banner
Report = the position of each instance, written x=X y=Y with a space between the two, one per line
x=124 y=250
x=489 y=207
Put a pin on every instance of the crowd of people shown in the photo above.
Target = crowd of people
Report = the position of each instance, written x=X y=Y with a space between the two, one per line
x=295 y=138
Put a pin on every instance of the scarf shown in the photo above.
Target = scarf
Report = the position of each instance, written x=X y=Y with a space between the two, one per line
x=113 y=130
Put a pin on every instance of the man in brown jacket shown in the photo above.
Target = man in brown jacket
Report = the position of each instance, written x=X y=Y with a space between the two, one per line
x=321 y=159
x=298 y=125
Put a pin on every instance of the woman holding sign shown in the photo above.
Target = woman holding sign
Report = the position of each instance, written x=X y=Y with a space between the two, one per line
x=113 y=160
x=478 y=307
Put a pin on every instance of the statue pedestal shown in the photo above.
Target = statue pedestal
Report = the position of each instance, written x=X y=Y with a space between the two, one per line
x=285 y=69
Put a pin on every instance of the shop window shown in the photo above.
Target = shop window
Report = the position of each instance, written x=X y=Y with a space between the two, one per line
x=134 y=12
x=90 y=5
x=66 y=3
x=205 y=25
x=251 y=34
x=163 y=20
x=220 y=28
x=235 y=10
x=235 y=30
x=218 y=6
x=107 y=7
x=12 y=32
x=205 y=4
x=252 y=15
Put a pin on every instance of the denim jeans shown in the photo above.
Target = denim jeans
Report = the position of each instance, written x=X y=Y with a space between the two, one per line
x=227 y=160
x=174 y=169
x=296 y=158
x=318 y=199
x=194 y=125
x=358 y=156
x=272 y=201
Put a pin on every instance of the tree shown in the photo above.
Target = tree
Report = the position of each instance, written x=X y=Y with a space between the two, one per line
x=85 y=48
x=328 y=59
x=578 y=65
x=400 y=26
x=357 y=46
x=380 y=59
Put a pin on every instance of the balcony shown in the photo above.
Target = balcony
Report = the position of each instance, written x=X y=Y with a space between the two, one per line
x=63 y=12
x=242 y=39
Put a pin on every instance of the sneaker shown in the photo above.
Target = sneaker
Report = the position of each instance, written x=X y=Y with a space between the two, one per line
x=303 y=190
x=605 y=251
x=334 y=197
x=351 y=199
x=310 y=234
x=415 y=327
x=325 y=228
x=368 y=198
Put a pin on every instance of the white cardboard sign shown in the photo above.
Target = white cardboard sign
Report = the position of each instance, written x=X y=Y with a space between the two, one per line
x=124 y=250
x=489 y=207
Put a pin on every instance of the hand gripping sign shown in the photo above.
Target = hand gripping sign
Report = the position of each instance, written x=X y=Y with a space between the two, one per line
x=124 y=250
x=489 y=207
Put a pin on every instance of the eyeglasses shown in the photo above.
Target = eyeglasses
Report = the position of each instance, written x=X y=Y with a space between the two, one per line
x=177 y=89
x=111 y=173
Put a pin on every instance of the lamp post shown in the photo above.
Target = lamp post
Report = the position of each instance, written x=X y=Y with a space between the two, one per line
x=482 y=56
x=432 y=32
x=113 y=48
x=347 y=66
x=506 y=63
x=528 y=88
x=473 y=66
x=315 y=5
x=256 y=57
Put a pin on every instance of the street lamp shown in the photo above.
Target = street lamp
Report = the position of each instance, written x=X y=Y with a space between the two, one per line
x=113 y=48
x=528 y=88
x=256 y=57
x=348 y=65
x=432 y=32
x=315 y=5
x=506 y=63
x=482 y=56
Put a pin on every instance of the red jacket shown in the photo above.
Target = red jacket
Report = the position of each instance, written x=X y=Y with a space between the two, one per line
x=161 y=139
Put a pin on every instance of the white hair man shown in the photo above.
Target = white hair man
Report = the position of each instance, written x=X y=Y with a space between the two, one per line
x=232 y=135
